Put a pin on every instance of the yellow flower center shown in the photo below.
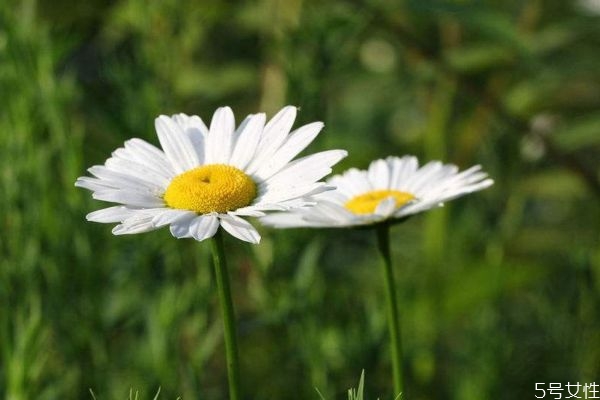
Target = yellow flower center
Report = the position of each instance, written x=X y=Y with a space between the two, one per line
x=367 y=203
x=211 y=188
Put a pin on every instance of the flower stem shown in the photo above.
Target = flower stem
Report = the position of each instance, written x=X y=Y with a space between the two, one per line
x=383 y=243
x=227 y=314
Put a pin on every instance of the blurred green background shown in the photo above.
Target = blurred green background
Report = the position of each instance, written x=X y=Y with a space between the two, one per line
x=498 y=290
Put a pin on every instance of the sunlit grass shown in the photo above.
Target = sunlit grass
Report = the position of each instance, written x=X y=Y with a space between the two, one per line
x=357 y=393
x=133 y=395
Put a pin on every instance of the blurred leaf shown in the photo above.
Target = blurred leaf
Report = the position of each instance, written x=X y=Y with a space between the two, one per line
x=553 y=183
x=551 y=38
x=482 y=285
x=215 y=82
x=476 y=58
x=578 y=134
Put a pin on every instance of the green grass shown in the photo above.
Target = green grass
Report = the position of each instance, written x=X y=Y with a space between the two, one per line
x=358 y=393
x=133 y=395
x=499 y=290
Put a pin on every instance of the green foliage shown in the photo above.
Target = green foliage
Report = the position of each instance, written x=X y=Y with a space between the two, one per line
x=498 y=290
x=359 y=392
x=133 y=395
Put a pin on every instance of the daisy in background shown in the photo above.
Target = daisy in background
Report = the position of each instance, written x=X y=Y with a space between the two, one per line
x=204 y=178
x=390 y=191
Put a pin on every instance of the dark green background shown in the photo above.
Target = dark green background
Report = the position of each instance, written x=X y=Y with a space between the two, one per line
x=498 y=290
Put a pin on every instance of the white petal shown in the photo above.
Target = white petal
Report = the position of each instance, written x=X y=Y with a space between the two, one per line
x=334 y=196
x=169 y=216
x=379 y=175
x=279 y=206
x=323 y=214
x=180 y=228
x=190 y=122
x=249 y=211
x=438 y=178
x=307 y=169
x=296 y=142
x=138 y=223
x=475 y=177
x=352 y=183
x=386 y=207
x=417 y=207
x=329 y=213
x=144 y=153
x=469 y=171
x=133 y=228
x=143 y=172
x=453 y=194
x=284 y=220
x=239 y=228
x=204 y=227
x=273 y=136
x=140 y=145
x=93 y=184
x=450 y=185
x=110 y=214
x=220 y=137
x=176 y=144
x=422 y=176
x=129 y=198
x=196 y=130
x=122 y=180
x=481 y=185
x=468 y=176
x=404 y=168
x=292 y=191
x=247 y=141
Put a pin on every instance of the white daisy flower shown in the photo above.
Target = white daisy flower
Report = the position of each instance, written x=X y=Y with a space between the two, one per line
x=390 y=189
x=205 y=177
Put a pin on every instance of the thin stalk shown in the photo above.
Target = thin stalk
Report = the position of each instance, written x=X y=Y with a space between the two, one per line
x=383 y=244
x=228 y=315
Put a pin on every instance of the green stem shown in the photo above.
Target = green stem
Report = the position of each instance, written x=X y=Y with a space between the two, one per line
x=383 y=243
x=231 y=352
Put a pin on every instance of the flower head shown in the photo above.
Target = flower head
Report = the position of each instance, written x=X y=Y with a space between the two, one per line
x=390 y=189
x=206 y=177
